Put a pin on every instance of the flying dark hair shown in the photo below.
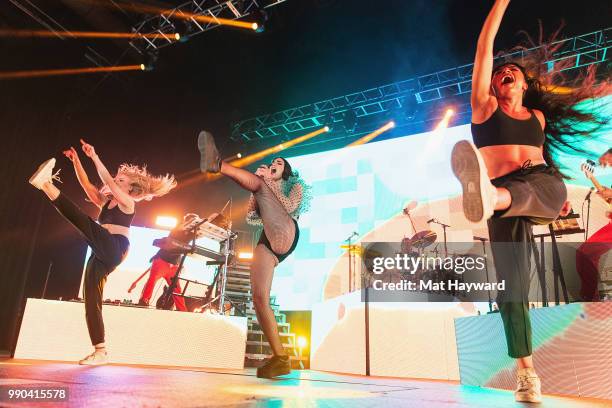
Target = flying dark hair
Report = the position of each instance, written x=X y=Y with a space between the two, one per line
x=556 y=95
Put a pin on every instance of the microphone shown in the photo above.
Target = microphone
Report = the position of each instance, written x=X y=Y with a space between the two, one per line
x=432 y=220
x=588 y=196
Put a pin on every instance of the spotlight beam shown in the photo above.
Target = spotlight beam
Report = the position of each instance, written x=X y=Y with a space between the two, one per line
x=445 y=120
x=85 y=34
x=252 y=158
x=245 y=161
x=68 y=71
x=181 y=15
x=365 y=139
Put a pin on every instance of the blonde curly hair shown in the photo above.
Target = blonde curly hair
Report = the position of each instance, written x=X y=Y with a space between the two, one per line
x=144 y=184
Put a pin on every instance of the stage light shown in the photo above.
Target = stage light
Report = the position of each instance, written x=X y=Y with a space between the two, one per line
x=302 y=342
x=446 y=119
x=252 y=158
x=152 y=57
x=245 y=255
x=165 y=221
x=84 y=34
x=260 y=18
x=365 y=139
x=67 y=71
x=234 y=157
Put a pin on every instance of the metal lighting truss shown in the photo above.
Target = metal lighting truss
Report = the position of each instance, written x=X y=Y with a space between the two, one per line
x=580 y=51
x=160 y=27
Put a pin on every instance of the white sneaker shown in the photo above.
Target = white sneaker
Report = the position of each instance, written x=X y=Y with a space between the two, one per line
x=529 y=388
x=44 y=174
x=95 y=358
x=479 y=195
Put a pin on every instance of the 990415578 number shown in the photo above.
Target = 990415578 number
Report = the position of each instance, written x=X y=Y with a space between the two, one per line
x=18 y=393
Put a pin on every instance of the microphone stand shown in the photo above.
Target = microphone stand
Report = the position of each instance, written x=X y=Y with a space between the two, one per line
x=444 y=227
x=350 y=260
x=588 y=217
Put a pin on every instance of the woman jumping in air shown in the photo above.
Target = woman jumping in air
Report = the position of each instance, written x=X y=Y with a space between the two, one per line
x=278 y=197
x=109 y=237
x=508 y=176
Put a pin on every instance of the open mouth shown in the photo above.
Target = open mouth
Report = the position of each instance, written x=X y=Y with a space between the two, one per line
x=507 y=79
x=273 y=171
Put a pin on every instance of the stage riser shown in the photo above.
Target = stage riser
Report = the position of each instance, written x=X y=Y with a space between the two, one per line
x=409 y=340
x=53 y=330
x=572 y=350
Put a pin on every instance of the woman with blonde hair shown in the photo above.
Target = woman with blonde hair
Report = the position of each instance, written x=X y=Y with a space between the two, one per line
x=109 y=237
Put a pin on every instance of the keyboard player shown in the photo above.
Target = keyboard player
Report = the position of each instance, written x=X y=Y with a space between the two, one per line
x=165 y=263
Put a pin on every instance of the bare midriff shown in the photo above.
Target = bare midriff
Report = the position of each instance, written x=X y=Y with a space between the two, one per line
x=503 y=159
x=117 y=229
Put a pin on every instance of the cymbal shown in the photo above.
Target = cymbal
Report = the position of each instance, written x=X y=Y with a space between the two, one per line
x=361 y=251
x=423 y=239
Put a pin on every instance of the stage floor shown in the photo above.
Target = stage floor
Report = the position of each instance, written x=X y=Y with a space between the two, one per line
x=136 y=386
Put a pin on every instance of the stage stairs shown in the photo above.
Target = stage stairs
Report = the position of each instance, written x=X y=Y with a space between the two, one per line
x=238 y=291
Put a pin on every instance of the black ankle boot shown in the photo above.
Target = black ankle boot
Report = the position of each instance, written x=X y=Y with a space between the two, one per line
x=277 y=365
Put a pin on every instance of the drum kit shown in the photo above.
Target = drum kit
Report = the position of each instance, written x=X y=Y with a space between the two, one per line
x=418 y=245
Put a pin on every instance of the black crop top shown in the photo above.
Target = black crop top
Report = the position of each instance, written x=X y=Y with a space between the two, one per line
x=115 y=216
x=501 y=129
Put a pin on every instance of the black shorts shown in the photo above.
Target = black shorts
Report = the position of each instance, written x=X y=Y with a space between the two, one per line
x=264 y=241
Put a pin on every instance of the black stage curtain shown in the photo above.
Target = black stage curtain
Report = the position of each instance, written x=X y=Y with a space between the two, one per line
x=32 y=234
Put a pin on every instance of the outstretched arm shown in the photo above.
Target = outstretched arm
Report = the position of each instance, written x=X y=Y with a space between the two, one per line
x=482 y=100
x=90 y=190
x=123 y=198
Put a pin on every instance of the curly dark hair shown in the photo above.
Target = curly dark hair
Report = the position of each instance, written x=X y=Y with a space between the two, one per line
x=552 y=91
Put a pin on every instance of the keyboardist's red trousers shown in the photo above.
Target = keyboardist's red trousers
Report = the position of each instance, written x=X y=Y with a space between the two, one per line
x=587 y=261
x=162 y=269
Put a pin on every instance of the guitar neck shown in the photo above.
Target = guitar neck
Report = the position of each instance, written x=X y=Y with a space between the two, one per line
x=596 y=183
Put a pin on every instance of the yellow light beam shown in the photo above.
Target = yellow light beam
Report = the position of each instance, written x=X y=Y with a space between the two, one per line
x=365 y=139
x=86 y=34
x=245 y=161
x=445 y=120
x=68 y=71
x=221 y=21
x=252 y=158
x=173 y=14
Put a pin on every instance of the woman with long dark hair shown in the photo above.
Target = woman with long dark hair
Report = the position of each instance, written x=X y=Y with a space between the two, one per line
x=278 y=197
x=520 y=118
x=109 y=237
